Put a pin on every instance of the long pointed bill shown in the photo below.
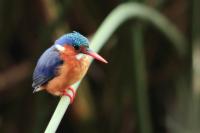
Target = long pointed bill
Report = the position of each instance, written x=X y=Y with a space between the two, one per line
x=93 y=54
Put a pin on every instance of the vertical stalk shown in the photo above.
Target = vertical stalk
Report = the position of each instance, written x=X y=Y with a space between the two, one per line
x=193 y=115
x=141 y=82
x=142 y=97
x=196 y=45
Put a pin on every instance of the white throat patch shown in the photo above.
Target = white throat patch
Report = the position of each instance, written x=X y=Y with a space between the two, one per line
x=79 y=56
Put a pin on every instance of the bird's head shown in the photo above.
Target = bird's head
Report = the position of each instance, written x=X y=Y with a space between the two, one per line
x=78 y=43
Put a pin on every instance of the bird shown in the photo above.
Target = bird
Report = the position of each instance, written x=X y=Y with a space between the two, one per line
x=63 y=64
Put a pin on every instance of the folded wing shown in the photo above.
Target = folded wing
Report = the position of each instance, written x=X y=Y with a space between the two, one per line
x=46 y=67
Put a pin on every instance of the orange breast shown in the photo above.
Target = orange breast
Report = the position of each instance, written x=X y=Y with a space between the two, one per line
x=69 y=73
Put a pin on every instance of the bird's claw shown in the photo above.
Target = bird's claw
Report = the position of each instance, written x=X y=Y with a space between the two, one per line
x=70 y=92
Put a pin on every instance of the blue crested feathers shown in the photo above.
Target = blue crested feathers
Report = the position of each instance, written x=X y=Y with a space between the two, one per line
x=73 y=38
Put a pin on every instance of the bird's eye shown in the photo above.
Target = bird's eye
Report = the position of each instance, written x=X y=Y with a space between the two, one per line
x=76 y=47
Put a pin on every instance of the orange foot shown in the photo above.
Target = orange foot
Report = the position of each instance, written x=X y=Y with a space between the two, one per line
x=70 y=95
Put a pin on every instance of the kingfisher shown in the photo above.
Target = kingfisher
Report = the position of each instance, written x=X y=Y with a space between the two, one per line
x=63 y=64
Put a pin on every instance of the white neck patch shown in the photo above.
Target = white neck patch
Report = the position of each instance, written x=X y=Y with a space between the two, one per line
x=59 y=47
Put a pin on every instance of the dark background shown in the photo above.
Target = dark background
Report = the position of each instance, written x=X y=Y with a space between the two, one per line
x=107 y=99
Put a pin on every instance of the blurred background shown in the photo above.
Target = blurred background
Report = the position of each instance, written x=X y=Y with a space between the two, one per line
x=108 y=100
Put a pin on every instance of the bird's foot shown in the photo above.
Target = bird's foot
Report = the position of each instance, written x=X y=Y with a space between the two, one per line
x=70 y=92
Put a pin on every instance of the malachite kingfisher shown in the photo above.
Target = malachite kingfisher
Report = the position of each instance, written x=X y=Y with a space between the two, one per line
x=63 y=64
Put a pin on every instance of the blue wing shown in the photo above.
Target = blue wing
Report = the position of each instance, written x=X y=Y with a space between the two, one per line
x=46 y=67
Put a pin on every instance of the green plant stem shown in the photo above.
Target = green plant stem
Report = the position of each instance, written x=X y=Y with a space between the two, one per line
x=143 y=110
x=118 y=16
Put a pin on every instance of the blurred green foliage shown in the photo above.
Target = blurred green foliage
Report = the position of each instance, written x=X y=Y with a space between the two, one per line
x=107 y=100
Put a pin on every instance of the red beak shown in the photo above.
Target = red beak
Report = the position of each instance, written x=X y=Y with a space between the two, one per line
x=93 y=54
